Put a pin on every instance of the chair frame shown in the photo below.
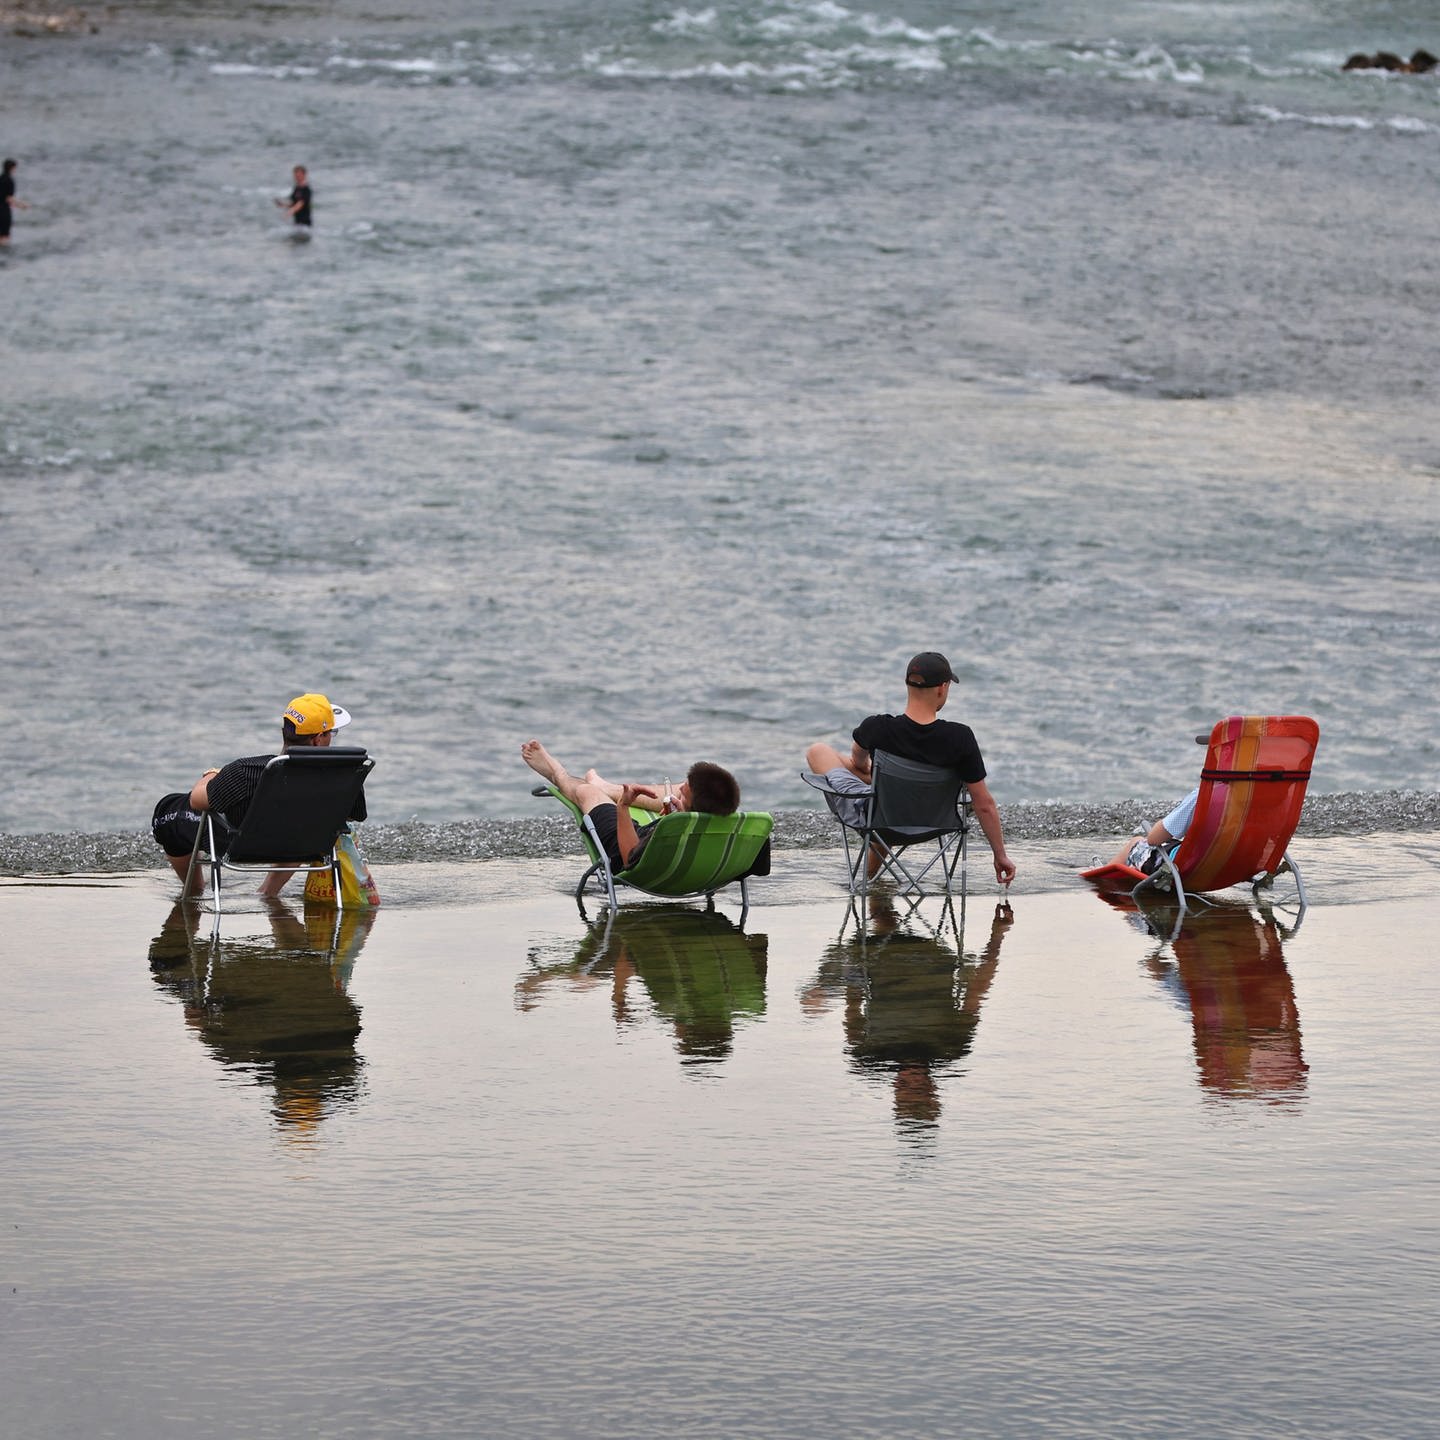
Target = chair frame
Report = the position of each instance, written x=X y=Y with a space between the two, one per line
x=267 y=797
x=1244 y=752
x=884 y=827
x=601 y=872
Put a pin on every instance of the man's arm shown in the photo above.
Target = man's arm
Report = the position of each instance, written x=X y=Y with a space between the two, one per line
x=626 y=834
x=987 y=812
x=200 y=792
x=860 y=761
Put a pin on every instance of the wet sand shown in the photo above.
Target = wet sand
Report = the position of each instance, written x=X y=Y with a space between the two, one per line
x=475 y=1167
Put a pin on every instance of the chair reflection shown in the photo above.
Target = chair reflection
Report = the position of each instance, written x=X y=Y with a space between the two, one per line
x=702 y=973
x=911 y=995
x=277 y=1012
x=1226 y=967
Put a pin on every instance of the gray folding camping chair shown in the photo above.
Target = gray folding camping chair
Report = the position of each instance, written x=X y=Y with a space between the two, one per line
x=295 y=817
x=910 y=806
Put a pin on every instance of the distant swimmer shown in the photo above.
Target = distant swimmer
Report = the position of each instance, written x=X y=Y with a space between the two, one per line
x=8 y=199
x=1422 y=62
x=297 y=207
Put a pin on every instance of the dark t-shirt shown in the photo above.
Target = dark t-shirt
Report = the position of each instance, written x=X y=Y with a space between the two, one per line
x=301 y=193
x=232 y=789
x=941 y=743
x=7 y=189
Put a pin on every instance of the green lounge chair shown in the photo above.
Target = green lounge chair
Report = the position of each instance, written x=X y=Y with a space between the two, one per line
x=689 y=853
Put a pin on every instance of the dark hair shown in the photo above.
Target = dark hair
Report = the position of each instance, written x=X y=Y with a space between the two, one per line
x=713 y=790
x=287 y=729
x=9 y=166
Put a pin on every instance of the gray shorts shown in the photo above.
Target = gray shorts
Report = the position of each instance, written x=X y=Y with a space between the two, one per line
x=848 y=807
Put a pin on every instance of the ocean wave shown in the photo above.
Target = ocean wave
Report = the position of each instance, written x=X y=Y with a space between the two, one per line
x=819 y=46
x=1400 y=124
x=548 y=836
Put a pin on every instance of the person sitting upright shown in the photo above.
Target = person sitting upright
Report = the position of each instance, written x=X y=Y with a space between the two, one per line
x=707 y=788
x=309 y=719
x=917 y=734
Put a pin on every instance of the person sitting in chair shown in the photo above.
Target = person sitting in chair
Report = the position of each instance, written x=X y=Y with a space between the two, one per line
x=917 y=734
x=708 y=788
x=308 y=720
x=1142 y=852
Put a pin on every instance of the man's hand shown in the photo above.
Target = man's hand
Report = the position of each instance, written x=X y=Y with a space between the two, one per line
x=629 y=793
x=1004 y=869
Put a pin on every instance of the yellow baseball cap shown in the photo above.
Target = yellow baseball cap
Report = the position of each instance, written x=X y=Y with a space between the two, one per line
x=314 y=715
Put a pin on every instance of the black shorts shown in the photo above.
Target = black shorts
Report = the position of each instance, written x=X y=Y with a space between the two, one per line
x=4 y=220
x=175 y=825
x=604 y=819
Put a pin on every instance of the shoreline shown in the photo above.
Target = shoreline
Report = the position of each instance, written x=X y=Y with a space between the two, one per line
x=1347 y=814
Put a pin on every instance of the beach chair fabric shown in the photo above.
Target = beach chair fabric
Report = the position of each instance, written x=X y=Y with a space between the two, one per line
x=687 y=854
x=296 y=815
x=910 y=805
x=1252 y=789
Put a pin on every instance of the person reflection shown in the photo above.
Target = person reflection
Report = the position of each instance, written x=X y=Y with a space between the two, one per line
x=702 y=973
x=277 y=1012
x=911 y=1003
x=1229 y=972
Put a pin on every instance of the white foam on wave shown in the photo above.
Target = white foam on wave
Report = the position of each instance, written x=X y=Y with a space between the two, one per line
x=900 y=59
x=1152 y=62
x=628 y=69
x=399 y=67
x=1401 y=124
x=686 y=22
x=271 y=72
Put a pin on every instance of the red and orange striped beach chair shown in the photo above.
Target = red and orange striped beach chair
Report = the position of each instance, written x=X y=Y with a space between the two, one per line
x=1251 y=789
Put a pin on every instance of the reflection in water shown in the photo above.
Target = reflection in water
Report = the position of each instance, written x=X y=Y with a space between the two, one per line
x=911 y=999
x=277 y=1012
x=1228 y=970
x=1229 y=965
x=702 y=973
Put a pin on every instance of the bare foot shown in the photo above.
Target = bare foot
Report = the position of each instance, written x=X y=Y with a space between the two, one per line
x=540 y=760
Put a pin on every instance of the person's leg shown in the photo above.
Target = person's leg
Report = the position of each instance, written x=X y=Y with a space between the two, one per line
x=581 y=793
x=653 y=803
x=175 y=827
x=192 y=880
x=821 y=759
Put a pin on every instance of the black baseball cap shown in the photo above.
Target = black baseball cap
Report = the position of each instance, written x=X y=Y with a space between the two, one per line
x=928 y=669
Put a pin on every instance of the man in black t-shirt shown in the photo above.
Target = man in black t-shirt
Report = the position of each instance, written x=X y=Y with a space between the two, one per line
x=7 y=199
x=297 y=207
x=309 y=719
x=917 y=734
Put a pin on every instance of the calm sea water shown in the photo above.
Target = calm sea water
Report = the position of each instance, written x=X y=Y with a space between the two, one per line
x=481 y=1169
x=658 y=379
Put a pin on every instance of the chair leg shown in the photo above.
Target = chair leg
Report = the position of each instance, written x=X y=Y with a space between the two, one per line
x=1287 y=863
x=214 y=862
x=185 y=889
x=1148 y=883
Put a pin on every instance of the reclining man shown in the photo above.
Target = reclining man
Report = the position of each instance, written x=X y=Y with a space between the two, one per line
x=707 y=788
x=308 y=720
x=1143 y=852
x=917 y=734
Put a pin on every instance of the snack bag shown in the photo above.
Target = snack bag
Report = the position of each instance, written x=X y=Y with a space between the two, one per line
x=357 y=884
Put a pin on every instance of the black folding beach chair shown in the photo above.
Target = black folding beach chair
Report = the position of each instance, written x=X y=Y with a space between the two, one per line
x=296 y=815
x=911 y=806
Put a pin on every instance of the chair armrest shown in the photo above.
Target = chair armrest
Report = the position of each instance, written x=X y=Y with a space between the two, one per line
x=820 y=783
